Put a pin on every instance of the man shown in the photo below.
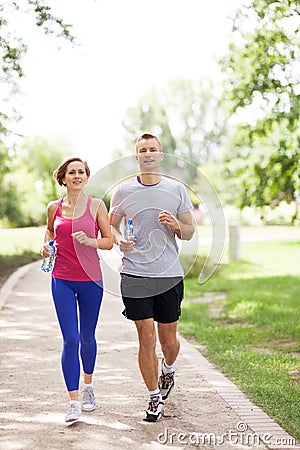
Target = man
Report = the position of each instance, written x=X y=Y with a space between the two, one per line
x=151 y=275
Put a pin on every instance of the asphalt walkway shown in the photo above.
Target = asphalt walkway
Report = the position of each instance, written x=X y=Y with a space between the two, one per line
x=205 y=409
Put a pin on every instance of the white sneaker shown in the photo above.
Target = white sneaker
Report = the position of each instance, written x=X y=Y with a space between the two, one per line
x=88 y=399
x=155 y=409
x=74 y=411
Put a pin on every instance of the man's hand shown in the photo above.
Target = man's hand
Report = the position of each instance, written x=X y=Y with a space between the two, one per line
x=166 y=218
x=126 y=246
x=182 y=226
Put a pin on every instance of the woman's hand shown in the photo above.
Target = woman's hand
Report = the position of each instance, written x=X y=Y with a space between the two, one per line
x=82 y=238
x=45 y=251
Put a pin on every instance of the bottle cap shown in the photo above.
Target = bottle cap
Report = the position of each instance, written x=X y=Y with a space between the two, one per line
x=129 y=221
x=51 y=243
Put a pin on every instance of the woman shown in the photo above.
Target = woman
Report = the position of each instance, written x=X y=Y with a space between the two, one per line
x=74 y=222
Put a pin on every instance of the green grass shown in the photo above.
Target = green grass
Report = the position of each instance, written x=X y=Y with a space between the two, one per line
x=18 y=246
x=15 y=241
x=254 y=334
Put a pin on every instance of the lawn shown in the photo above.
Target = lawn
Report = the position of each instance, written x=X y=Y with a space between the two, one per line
x=15 y=241
x=18 y=246
x=246 y=319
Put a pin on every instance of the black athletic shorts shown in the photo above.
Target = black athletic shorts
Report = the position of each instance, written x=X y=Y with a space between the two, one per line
x=157 y=298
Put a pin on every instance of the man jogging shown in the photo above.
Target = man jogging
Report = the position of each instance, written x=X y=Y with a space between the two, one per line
x=151 y=274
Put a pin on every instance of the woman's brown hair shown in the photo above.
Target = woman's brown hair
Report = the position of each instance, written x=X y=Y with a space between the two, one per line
x=60 y=172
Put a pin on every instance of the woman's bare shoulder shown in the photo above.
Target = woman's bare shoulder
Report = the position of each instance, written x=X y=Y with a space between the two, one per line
x=52 y=205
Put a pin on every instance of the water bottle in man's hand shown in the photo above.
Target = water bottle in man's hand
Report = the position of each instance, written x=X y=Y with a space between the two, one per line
x=48 y=262
x=129 y=231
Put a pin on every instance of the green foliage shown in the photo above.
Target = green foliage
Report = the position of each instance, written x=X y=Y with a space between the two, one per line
x=262 y=91
x=186 y=116
x=9 y=205
x=35 y=162
x=149 y=115
x=13 y=46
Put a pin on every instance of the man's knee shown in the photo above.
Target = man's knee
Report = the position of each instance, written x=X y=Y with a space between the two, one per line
x=146 y=334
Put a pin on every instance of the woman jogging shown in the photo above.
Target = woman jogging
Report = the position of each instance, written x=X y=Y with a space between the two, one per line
x=74 y=222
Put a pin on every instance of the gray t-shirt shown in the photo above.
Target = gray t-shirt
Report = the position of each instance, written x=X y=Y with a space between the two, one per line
x=156 y=250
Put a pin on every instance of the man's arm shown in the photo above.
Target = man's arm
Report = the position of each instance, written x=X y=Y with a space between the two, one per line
x=182 y=226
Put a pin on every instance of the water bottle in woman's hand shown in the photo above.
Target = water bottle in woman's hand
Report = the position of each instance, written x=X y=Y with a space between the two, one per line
x=48 y=262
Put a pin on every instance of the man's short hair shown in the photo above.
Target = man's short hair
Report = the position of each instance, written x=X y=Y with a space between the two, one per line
x=149 y=136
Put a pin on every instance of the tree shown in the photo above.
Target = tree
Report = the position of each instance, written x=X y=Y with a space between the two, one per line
x=9 y=205
x=36 y=159
x=262 y=90
x=149 y=115
x=13 y=46
x=186 y=116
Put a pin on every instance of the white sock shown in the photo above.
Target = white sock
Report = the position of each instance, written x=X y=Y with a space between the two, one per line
x=154 y=393
x=168 y=369
x=88 y=385
x=74 y=401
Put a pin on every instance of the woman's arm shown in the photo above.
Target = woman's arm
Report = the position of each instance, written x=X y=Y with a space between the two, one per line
x=101 y=217
x=49 y=233
x=106 y=240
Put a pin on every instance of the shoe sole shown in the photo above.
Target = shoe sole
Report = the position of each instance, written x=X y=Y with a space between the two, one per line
x=88 y=409
x=72 y=419
x=152 y=418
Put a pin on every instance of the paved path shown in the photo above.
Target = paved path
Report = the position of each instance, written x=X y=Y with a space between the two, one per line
x=205 y=409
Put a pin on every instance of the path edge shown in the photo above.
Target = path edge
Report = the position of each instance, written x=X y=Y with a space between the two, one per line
x=12 y=280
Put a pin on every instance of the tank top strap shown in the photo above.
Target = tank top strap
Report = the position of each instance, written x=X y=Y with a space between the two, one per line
x=88 y=211
x=58 y=208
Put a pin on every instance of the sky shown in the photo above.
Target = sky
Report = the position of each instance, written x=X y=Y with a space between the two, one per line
x=81 y=94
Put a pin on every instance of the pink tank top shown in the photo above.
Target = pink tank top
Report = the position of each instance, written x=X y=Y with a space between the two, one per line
x=75 y=261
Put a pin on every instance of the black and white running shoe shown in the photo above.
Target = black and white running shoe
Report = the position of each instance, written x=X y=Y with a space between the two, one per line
x=165 y=383
x=155 y=409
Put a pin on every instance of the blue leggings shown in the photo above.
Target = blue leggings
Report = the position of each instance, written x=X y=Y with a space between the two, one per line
x=71 y=297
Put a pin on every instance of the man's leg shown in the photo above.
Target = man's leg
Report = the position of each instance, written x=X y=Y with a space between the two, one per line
x=170 y=346
x=147 y=358
x=149 y=367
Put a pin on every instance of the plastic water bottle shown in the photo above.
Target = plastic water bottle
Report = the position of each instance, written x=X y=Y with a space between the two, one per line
x=129 y=231
x=47 y=264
